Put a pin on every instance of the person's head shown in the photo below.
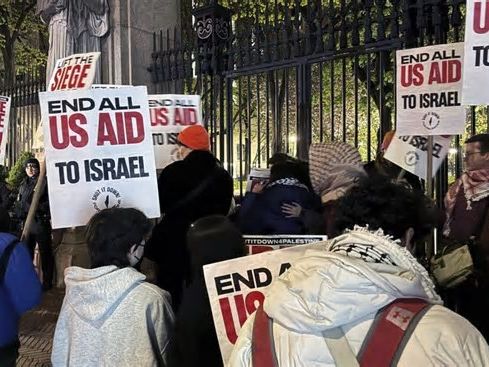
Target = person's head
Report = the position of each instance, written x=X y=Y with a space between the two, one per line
x=116 y=236
x=194 y=137
x=32 y=167
x=285 y=169
x=476 y=155
x=280 y=158
x=334 y=167
x=212 y=239
x=400 y=212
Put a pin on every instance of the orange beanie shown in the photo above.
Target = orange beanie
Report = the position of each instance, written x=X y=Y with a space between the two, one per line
x=195 y=137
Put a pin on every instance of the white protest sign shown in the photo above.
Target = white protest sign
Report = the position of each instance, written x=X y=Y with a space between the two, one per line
x=236 y=289
x=410 y=153
x=257 y=175
x=476 y=65
x=259 y=244
x=4 y=121
x=74 y=72
x=429 y=87
x=170 y=114
x=98 y=153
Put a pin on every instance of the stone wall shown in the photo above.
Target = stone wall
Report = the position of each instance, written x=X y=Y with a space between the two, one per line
x=126 y=52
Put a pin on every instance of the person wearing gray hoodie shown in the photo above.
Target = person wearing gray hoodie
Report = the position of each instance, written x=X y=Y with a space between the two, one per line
x=110 y=316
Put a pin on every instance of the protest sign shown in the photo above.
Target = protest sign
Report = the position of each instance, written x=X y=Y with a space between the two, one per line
x=476 y=64
x=429 y=86
x=170 y=114
x=4 y=120
x=257 y=175
x=98 y=153
x=74 y=72
x=410 y=153
x=259 y=244
x=236 y=289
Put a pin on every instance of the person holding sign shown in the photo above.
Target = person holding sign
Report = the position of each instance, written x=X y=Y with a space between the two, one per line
x=192 y=188
x=110 y=315
x=467 y=222
x=322 y=310
x=40 y=231
x=210 y=239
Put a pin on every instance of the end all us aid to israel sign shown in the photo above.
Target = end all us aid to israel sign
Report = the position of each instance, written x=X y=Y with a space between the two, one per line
x=476 y=65
x=429 y=90
x=170 y=114
x=99 y=153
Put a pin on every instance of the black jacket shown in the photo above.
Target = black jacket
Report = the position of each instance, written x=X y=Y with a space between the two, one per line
x=189 y=189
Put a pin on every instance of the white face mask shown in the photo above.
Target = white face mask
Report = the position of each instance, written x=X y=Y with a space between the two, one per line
x=135 y=254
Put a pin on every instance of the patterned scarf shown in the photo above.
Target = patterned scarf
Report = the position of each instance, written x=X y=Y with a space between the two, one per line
x=368 y=253
x=288 y=182
x=476 y=187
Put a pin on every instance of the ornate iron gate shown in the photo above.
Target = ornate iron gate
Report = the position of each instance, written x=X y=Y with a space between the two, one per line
x=277 y=75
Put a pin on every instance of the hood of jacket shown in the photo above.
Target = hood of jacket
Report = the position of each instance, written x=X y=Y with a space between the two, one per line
x=326 y=289
x=94 y=293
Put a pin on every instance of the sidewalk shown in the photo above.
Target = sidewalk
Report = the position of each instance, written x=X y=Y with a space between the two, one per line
x=37 y=330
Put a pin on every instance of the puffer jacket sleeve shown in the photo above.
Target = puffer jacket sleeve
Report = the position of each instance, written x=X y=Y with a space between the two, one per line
x=241 y=354
x=446 y=339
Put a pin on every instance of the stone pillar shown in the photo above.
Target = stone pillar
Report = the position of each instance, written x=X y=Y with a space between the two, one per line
x=126 y=52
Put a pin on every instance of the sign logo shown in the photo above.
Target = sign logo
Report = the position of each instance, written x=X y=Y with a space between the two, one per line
x=411 y=158
x=106 y=197
x=431 y=120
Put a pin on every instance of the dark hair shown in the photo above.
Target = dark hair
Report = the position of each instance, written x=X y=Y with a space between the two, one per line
x=33 y=161
x=380 y=203
x=110 y=234
x=280 y=158
x=285 y=170
x=212 y=239
x=482 y=139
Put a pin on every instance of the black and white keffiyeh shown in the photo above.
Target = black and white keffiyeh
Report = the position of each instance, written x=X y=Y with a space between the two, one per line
x=288 y=182
x=368 y=253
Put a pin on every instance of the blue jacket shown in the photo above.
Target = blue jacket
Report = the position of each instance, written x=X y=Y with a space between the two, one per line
x=262 y=213
x=20 y=290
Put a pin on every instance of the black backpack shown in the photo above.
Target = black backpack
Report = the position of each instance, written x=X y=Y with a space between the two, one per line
x=5 y=258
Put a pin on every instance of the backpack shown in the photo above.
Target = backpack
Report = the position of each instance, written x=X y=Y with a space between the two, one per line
x=382 y=346
x=4 y=259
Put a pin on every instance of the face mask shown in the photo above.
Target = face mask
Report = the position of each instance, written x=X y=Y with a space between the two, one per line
x=135 y=255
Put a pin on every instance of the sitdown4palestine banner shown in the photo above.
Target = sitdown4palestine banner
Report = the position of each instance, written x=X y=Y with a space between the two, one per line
x=429 y=90
x=99 y=153
x=236 y=288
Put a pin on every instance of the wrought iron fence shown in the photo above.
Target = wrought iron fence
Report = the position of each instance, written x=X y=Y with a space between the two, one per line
x=25 y=113
x=275 y=76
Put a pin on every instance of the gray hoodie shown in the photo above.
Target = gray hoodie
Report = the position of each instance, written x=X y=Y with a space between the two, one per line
x=111 y=317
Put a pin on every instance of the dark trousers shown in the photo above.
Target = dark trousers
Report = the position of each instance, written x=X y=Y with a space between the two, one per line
x=41 y=234
x=9 y=354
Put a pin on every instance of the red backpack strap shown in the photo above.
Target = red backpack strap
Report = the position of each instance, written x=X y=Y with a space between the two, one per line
x=390 y=332
x=262 y=348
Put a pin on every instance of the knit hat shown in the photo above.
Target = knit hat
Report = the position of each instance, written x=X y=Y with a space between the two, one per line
x=334 y=168
x=33 y=161
x=195 y=137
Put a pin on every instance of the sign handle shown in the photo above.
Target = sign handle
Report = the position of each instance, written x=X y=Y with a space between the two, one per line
x=401 y=175
x=38 y=190
x=429 y=189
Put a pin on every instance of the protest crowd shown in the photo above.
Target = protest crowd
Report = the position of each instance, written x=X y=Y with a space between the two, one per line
x=326 y=309
x=325 y=261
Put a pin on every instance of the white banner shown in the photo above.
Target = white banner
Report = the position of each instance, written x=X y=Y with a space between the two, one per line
x=98 y=153
x=236 y=289
x=4 y=121
x=410 y=153
x=170 y=114
x=476 y=65
x=259 y=244
x=429 y=87
x=74 y=72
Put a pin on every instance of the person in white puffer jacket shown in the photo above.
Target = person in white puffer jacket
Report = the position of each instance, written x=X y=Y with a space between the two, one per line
x=350 y=278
